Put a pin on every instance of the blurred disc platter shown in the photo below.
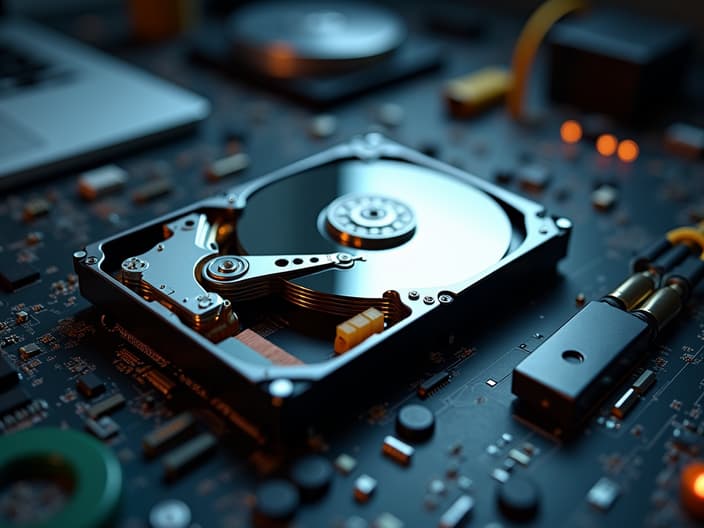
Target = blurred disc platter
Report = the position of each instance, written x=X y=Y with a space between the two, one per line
x=292 y=39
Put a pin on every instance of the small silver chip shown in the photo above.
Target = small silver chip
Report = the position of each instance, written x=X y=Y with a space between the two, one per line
x=227 y=166
x=364 y=488
x=603 y=494
x=604 y=197
x=397 y=450
x=519 y=456
x=500 y=475
x=458 y=513
x=644 y=382
x=387 y=520
x=345 y=464
x=625 y=403
x=98 y=182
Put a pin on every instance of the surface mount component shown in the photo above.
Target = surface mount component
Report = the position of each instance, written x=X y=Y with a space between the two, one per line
x=575 y=367
x=601 y=64
x=14 y=275
x=244 y=291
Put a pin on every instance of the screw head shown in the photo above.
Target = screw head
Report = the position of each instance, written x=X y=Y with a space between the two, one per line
x=445 y=298
x=91 y=260
x=204 y=301
x=281 y=388
x=413 y=295
x=563 y=223
x=428 y=300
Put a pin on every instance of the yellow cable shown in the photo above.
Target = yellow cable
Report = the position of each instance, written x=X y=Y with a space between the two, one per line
x=528 y=43
x=687 y=234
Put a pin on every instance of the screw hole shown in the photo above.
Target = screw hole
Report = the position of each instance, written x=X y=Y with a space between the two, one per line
x=572 y=356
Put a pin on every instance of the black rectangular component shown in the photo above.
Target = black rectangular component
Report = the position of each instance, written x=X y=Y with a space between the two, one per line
x=106 y=406
x=187 y=455
x=576 y=367
x=152 y=190
x=14 y=275
x=90 y=385
x=433 y=383
x=13 y=399
x=166 y=433
x=8 y=375
x=601 y=64
x=29 y=351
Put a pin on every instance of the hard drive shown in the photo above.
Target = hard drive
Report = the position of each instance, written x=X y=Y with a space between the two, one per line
x=317 y=52
x=291 y=298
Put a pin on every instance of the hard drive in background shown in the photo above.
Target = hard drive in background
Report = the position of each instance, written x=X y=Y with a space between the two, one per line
x=296 y=295
x=317 y=52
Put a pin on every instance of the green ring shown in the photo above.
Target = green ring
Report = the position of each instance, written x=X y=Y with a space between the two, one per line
x=95 y=472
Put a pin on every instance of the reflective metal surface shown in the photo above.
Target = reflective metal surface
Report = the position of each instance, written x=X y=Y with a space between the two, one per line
x=459 y=230
x=290 y=39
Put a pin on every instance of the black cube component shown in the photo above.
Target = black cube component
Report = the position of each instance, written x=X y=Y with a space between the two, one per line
x=617 y=63
x=90 y=385
x=13 y=399
x=579 y=365
x=14 y=275
x=8 y=375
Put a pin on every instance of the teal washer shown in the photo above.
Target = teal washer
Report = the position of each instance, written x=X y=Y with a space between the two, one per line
x=92 y=470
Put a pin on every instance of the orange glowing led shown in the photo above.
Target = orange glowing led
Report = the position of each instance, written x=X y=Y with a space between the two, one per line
x=698 y=486
x=571 y=131
x=692 y=488
x=628 y=150
x=606 y=144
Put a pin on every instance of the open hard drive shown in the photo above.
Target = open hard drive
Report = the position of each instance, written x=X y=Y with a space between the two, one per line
x=285 y=298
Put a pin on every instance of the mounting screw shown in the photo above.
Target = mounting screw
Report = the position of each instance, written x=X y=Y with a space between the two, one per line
x=91 y=260
x=413 y=295
x=563 y=223
x=428 y=300
x=281 y=388
x=445 y=298
x=132 y=268
x=204 y=301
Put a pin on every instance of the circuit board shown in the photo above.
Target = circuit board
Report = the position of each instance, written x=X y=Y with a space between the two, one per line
x=80 y=369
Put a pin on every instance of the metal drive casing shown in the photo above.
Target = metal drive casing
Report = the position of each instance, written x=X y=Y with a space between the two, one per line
x=268 y=399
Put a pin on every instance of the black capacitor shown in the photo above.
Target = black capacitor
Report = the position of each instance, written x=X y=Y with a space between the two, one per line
x=415 y=423
x=277 y=501
x=312 y=474
x=518 y=498
x=576 y=367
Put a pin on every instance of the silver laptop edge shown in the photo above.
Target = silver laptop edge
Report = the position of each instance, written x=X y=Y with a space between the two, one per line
x=107 y=107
